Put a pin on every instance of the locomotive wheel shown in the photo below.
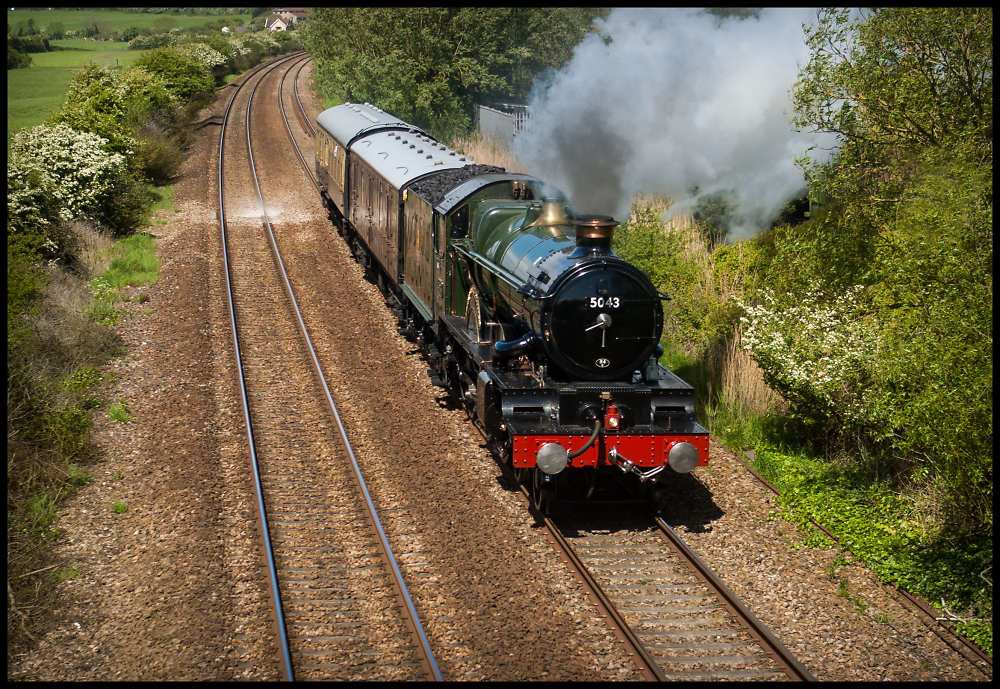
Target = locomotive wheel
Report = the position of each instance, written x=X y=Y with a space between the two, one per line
x=523 y=475
x=540 y=496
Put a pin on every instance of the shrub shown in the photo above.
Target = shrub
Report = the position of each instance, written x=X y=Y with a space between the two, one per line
x=29 y=44
x=183 y=75
x=161 y=154
x=150 y=42
x=126 y=35
x=17 y=59
x=205 y=54
x=813 y=351
x=73 y=166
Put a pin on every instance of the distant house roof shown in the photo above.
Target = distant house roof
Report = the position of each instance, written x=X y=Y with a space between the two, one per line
x=275 y=24
x=295 y=12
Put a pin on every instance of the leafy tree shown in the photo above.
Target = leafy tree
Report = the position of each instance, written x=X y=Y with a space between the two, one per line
x=17 y=59
x=910 y=92
x=55 y=30
x=26 y=27
x=127 y=34
x=431 y=65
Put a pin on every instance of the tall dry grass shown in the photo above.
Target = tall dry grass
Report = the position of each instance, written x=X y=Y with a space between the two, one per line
x=488 y=151
x=741 y=381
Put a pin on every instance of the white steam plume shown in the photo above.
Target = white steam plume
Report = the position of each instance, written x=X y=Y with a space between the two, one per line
x=675 y=101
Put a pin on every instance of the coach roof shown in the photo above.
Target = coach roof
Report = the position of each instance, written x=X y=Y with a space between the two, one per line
x=403 y=156
x=349 y=121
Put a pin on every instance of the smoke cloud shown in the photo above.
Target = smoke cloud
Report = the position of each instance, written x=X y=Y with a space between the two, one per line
x=676 y=103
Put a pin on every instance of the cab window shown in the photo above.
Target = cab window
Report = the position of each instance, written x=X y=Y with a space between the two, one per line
x=460 y=223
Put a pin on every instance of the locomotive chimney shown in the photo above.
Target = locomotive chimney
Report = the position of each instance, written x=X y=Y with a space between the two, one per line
x=593 y=234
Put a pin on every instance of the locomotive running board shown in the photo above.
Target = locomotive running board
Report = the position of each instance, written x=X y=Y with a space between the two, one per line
x=456 y=326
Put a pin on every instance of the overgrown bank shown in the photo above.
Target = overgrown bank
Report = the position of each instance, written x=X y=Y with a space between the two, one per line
x=852 y=352
x=80 y=192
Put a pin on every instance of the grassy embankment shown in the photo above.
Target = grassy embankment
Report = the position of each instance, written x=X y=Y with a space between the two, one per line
x=65 y=284
x=58 y=354
x=36 y=92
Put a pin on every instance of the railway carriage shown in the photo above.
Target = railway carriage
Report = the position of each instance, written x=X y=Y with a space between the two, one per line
x=549 y=339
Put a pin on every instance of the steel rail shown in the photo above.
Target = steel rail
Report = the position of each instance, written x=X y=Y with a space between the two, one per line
x=265 y=535
x=291 y=137
x=298 y=101
x=414 y=619
x=300 y=112
x=791 y=666
x=647 y=665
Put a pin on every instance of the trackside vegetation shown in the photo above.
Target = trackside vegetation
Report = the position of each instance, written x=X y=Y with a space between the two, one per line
x=80 y=191
x=852 y=354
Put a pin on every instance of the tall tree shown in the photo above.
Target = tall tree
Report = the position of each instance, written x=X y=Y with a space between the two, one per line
x=910 y=92
x=431 y=65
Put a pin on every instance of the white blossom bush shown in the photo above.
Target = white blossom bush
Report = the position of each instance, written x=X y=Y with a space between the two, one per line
x=814 y=353
x=72 y=166
x=162 y=40
x=248 y=42
x=30 y=203
x=204 y=54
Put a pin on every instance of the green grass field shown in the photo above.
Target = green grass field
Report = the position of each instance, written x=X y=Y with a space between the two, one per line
x=72 y=20
x=36 y=92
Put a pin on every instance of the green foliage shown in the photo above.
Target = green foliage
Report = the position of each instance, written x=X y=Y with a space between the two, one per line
x=429 y=66
x=643 y=242
x=77 y=476
x=120 y=412
x=133 y=262
x=36 y=520
x=84 y=378
x=183 y=76
x=882 y=528
x=119 y=507
x=910 y=92
x=127 y=34
x=144 y=42
x=29 y=44
x=112 y=104
x=16 y=59
x=55 y=30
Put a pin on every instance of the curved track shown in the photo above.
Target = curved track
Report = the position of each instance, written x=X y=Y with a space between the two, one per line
x=342 y=607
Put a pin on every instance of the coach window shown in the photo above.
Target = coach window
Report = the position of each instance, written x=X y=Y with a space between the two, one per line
x=460 y=223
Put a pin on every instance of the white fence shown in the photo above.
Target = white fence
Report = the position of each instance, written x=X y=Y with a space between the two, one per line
x=501 y=125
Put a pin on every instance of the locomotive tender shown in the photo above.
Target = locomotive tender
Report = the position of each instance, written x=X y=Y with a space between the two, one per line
x=549 y=339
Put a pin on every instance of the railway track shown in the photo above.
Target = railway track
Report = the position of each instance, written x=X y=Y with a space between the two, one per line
x=341 y=606
x=677 y=619
x=687 y=625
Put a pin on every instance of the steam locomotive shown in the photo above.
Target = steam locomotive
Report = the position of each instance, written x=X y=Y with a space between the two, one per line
x=523 y=310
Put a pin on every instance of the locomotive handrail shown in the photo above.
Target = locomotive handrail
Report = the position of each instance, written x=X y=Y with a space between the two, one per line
x=500 y=272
